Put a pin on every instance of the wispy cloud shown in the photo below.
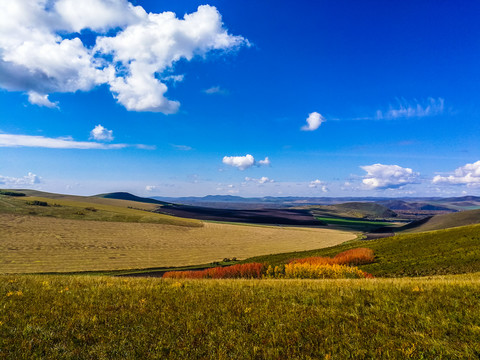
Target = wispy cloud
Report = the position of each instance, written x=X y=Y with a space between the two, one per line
x=262 y=180
x=182 y=147
x=318 y=184
x=11 y=140
x=215 y=90
x=411 y=109
x=30 y=179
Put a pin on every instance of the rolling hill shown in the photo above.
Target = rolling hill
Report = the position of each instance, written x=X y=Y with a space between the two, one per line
x=444 y=221
x=366 y=210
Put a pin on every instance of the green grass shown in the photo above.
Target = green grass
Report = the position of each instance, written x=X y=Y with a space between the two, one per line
x=69 y=317
x=444 y=221
x=84 y=210
x=353 y=224
x=450 y=251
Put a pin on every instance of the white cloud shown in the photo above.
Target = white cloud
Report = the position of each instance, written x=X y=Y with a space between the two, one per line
x=241 y=162
x=318 y=184
x=388 y=176
x=314 y=121
x=150 y=188
x=244 y=162
x=41 y=100
x=182 y=147
x=215 y=90
x=41 y=50
x=264 y=162
x=30 y=179
x=468 y=174
x=262 y=180
x=9 y=140
x=174 y=78
x=408 y=109
x=102 y=134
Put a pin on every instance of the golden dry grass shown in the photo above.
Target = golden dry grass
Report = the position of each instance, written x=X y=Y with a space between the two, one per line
x=44 y=244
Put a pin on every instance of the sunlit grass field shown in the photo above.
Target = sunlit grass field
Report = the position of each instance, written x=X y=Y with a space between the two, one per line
x=71 y=317
x=91 y=208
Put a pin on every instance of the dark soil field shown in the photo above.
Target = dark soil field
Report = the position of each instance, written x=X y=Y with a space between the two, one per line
x=263 y=216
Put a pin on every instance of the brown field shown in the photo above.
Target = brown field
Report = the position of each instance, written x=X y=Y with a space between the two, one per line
x=43 y=244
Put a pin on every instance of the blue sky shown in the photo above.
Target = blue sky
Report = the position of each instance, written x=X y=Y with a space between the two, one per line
x=217 y=102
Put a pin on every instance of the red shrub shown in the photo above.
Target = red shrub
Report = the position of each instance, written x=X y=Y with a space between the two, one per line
x=251 y=270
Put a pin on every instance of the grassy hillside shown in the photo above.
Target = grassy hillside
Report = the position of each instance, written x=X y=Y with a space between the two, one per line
x=66 y=317
x=450 y=251
x=48 y=244
x=91 y=199
x=444 y=221
x=85 y=208
x=353 y=210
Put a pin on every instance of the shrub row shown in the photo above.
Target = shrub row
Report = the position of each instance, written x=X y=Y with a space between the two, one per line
x=338 y=267
x=249 y=271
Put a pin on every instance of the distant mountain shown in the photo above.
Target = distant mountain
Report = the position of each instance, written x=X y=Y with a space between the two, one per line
x=130 y=197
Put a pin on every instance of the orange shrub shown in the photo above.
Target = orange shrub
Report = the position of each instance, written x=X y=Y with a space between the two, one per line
x=357 y=256
x=251 y=270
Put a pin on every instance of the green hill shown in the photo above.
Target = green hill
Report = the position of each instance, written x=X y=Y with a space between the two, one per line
x=444 y=221
x=368 y=210
x=86 y=208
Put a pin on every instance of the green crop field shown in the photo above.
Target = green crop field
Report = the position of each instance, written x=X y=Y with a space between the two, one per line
x=70 y=317
x=353 y=224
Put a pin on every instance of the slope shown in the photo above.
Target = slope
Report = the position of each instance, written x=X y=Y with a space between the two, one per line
x=441 y=252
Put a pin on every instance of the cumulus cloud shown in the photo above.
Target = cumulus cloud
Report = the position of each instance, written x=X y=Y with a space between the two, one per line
x=102 y=134
x=409 y=109
x=41 y=48
x=244 y=162
x=264 y=162
x=468 y=174
x=314 y=121
x=262 y=180
x=318 y=184
x=41 y=100
x=30 y=179
x=150 y=188
x=10 y=140
x=381 y=176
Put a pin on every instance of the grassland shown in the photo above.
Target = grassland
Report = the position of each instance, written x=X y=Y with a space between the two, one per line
x=444 y=221
x=47 y=244
x=441 y=252
x=89 y=209
x=68 y=317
